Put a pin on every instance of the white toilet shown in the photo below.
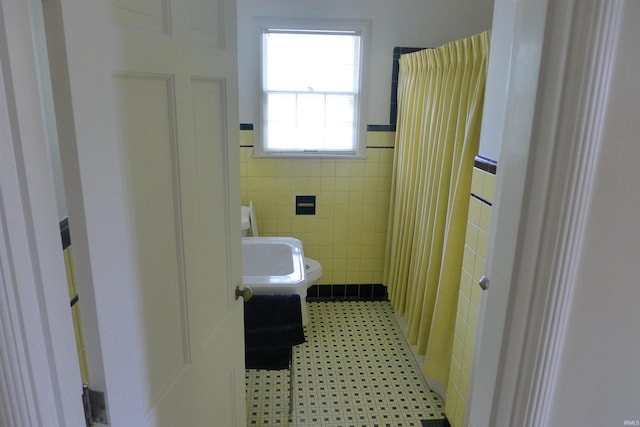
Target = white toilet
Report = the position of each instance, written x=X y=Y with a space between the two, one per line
x=248 y=221
x=314 y=271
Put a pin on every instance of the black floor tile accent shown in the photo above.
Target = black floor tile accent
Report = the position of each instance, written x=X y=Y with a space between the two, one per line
x=436 y=423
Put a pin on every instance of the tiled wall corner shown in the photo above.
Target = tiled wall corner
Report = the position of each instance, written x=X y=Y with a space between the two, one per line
x=482 y=191
x=381 y=139
x=246 y=138
x=348 y=233
x=75 y=314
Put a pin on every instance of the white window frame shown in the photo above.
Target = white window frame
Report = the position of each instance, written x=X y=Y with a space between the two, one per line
x=361 y=28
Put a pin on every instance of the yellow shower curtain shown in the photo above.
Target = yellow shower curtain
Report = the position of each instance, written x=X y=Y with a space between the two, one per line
x=440 y=99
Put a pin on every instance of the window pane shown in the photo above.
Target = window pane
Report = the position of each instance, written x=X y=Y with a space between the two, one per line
x=342 y=49
x=280 y=77
x=281 y=107
x=340 y=110
x=310 y=136
x=339 y=138
x=281 y=136
x=310 y=62
x=339 y=78
x=310 y=109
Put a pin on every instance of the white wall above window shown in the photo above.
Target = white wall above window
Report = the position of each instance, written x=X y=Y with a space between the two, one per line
x=312 y=88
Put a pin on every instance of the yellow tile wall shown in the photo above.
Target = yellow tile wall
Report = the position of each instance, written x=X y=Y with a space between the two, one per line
x=482 y=185
x=75 y=314
x=348 y=233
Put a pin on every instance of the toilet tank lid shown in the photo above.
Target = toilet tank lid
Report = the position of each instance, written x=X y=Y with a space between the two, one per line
x=244 y=217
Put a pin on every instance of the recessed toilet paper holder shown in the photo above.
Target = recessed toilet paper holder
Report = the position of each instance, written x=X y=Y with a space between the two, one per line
x=305 y=205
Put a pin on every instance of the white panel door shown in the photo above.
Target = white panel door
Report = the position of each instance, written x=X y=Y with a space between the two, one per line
x=149 y=127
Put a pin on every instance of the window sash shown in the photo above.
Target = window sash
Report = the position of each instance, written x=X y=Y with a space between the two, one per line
x=312 y=122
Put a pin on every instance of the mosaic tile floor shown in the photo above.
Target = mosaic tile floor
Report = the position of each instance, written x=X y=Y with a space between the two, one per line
x=354 y=370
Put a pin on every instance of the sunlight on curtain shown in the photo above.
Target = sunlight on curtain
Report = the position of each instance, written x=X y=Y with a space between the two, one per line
x=440 y=99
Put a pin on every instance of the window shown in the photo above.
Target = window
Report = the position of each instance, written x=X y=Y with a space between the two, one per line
x=311 y=83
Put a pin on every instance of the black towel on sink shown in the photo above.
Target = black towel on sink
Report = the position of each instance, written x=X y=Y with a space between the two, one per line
x=272 y=325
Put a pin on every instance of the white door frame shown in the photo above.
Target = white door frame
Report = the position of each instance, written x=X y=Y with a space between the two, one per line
x=39 y=374
x=557 y=87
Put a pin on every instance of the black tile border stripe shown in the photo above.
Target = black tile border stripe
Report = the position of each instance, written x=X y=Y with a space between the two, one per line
x=381 y=128
x=398 y=51
x=486 y=202
x=370 y=128
x=361 y=292
x=65 y=234
x=385 y=147
x=486 y=164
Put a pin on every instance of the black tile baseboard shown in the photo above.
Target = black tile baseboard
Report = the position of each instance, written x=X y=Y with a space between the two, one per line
x=362 y=292
x=380 y=128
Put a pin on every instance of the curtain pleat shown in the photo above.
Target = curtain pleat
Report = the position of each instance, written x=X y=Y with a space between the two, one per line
x=440 y=99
